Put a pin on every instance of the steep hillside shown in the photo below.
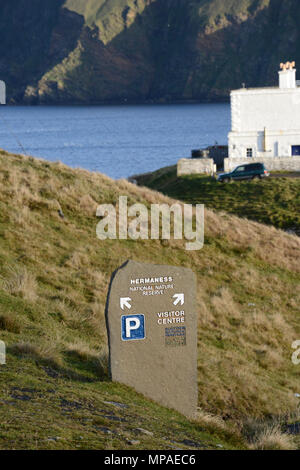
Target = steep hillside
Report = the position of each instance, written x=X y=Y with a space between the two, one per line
x=143 y=50
x=54 y=275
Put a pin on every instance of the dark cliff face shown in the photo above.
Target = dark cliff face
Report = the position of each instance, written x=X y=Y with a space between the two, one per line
x=64 y=51
x=26 y=42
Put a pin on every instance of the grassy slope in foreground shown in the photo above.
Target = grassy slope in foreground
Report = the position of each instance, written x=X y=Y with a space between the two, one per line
x=54 y=279
x=275 y=201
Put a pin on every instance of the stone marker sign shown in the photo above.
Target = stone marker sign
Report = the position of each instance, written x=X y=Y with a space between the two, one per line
x=152 y=332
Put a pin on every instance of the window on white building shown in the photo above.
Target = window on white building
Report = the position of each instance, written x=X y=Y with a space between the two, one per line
x=249 y=153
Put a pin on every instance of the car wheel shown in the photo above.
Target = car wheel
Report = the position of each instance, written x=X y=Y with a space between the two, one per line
x=226 y=180
x=256 y=177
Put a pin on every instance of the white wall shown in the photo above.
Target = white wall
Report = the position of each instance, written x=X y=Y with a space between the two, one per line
x=274 y=109
x=271 y=164
x=277 y=144
x=196 y=166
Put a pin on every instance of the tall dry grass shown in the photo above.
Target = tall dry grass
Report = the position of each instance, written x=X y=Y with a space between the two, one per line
x=273 y=438
x=19 y=281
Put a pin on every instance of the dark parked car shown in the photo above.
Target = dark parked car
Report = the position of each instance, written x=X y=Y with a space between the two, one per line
x=245 y=172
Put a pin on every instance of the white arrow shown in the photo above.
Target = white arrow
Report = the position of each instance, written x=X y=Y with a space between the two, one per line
x=178 y=298
x=124 y=302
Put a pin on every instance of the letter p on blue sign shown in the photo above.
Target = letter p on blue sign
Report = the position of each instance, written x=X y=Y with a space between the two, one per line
x=133 y=327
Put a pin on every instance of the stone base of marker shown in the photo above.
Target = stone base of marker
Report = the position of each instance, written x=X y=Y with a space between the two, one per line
x=152 y=332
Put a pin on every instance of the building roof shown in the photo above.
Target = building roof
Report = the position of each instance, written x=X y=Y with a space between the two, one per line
x=270 y=88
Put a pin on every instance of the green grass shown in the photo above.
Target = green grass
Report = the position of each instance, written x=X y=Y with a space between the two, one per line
x=274 y=201
x=214 y=12
x=108 y=16
x=42 y=408
x=54 y=278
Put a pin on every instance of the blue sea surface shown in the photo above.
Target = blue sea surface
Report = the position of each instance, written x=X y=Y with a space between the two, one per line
x=119 y=141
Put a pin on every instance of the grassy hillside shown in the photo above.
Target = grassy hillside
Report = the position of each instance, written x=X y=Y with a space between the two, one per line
x=275 y=201
x=111 y=17
x=54 y=275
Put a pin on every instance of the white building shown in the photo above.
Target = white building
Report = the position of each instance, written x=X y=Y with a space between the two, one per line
x=266 y=124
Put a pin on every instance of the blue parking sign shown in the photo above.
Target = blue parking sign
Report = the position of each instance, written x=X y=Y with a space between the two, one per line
x=133 y=327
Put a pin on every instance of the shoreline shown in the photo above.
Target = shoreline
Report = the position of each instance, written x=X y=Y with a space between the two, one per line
x=120 y=103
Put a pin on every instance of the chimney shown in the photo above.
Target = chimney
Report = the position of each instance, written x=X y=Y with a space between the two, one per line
x=287 y=76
